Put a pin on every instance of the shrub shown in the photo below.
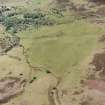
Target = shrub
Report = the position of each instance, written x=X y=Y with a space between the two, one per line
x=48 y=72
x=34 y=15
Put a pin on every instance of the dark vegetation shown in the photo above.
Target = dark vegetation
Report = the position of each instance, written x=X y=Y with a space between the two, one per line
x=99 y=66
x=48 y=71
x=99 y=61
x=7 y=43
x=97 y=1
x=15 y=21
x=33 y=79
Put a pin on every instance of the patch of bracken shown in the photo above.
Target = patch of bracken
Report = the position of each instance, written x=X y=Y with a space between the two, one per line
x=99 y=62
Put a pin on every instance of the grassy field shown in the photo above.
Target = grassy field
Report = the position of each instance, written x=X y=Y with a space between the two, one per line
x=62 y=48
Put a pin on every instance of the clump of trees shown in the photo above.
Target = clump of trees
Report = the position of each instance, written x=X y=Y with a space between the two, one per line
x=56 y=12
x=12 y=23
x=34 y=15
x=29 y=19
x=15 y=19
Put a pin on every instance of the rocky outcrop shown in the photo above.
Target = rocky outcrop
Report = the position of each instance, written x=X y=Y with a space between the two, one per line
x=10 y=87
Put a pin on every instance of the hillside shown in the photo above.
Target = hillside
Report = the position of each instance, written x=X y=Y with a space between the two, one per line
x=52 y=52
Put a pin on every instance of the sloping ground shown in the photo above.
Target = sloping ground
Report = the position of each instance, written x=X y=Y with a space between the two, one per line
x=7 y=43
x=68 y=47
x=63 y=56
x=10 y=87
x=96 y=84
x=14 y=65
x=13 y=2
x=53 y=60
